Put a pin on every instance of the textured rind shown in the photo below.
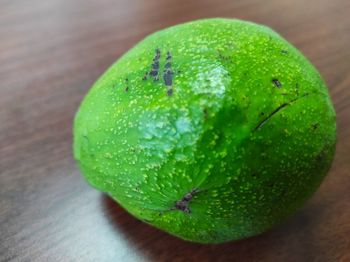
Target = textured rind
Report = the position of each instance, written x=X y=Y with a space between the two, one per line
x=247 y=121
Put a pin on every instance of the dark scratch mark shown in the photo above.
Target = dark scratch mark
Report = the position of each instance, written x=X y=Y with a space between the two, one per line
x=263 y=122
x=279 y=108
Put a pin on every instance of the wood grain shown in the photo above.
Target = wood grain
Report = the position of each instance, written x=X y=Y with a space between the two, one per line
x=51 y=52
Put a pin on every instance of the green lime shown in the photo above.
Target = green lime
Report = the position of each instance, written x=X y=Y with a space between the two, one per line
x=212 y=130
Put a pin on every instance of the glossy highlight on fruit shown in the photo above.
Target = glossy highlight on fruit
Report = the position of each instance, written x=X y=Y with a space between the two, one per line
x=212 y=130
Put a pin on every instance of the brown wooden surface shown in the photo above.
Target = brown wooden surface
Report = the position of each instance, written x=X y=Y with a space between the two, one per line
x=50 y=54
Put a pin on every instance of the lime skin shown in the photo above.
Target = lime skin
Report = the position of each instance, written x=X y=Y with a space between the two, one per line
x=212 y=130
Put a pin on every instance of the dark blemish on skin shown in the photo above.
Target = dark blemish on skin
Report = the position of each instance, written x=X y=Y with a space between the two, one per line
x=168 y=78
x=255 y=174
x=315 y=126
x=271 y=184
x=283 y=192
x=168 y=74
x=277 y=83
x=92 y=155
x=127 y=87
x=168 y=65
x=283 y=51
x=297 y=88
x=262 y=113
x=154 y=67
x=222 y=57
x=183 y=203
x=205 y=111
x=157 y=54
x=145 y=76
x=155 y=70
x=170 y=92
x=319 y=157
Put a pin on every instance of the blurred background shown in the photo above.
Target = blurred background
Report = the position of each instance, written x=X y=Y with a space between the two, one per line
x=52 y=51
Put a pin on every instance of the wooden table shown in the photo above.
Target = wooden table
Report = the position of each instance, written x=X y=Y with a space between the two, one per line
x=51 y=52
